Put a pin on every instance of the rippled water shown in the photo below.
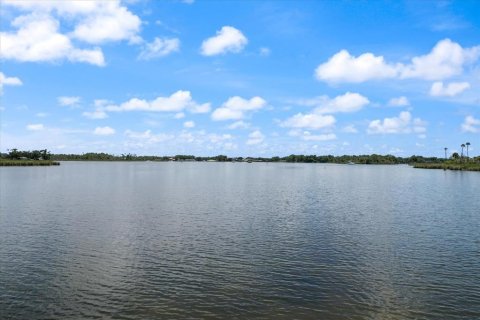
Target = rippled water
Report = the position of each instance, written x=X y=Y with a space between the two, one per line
x=232 y=240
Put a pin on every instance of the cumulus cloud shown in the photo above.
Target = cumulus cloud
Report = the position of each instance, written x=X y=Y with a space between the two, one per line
x=239 y=125
x=147 y=137
x=96 y=114
x=189 y=124
x=404 y=123
x=66 y=101
x=452 y=89
x=235 y=108
x=38 y=40
x=399 y=102
x=8 y=81
x=350 y=129
x=307 y=136
x=348 y=102
x=445 y=60
x=471 y=124
x=228 y=39
x=177 y=102
x=39 y=35
x=159 y=48
x=35 y=127
x=343 y=67
x=310 y=121
x=256 y=137
x=104 y=131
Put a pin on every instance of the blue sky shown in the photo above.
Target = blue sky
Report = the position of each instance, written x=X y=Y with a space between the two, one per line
x=241 y=78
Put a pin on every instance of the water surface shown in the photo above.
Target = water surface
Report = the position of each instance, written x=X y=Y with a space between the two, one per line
x=146 y=240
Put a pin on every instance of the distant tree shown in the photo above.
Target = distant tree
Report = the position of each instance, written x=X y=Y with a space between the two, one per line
x=455 y=155
x=462 y=146
x=446 y=153
x=467 y=144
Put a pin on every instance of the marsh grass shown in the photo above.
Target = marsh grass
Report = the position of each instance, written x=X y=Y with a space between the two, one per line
x=27 y=163
x=450 y=165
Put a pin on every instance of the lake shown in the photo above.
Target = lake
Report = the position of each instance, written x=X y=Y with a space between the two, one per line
x=150 y=240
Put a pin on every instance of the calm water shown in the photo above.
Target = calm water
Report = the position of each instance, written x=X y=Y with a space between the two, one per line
x=231 y=240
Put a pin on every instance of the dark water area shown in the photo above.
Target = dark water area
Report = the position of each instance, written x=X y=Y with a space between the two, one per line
x=148 y=240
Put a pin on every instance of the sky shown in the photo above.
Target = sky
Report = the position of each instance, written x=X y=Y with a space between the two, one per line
x=241 y=78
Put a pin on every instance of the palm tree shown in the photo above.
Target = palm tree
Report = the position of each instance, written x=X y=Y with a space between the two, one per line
x=467 y=144
x=463 y=146
x=445 y=153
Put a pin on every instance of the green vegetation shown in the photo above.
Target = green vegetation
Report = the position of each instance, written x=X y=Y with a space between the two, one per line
x=27 y=163
x=451 y=165
x=27 y=158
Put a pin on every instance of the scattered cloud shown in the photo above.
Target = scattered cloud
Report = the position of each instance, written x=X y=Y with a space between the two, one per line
x=104 y=131
x=39 y=35
x=177 y=102
x=348 y=102
x=235 y=108
x=452 y=89
x=265 y=52
x=35 y=127
x=256 y=137
x=189 y=124
x=239 y=125
x=307 y=136
x=96 y=114
x=310 y=121
x=471 y=124
x=401 y=124
x=66 y=101
x=159 y=48
x=228 y=39
x=349 y=129
x=343 y=67
x=446 y=59
x=399 y=102
x=8 y=81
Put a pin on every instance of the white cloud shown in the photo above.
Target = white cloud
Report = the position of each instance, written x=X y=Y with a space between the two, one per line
x=104 y=131
x=310 y=121
x=35 y=127
x=38 y=39
x=179 y=115
x=446 y=59
x=307 y=136
x=236 y=107
x=452 y=89
x=68 y=101
x=96 y=114
x=228 y=39
x=256 y=137
x=177 y=102
x=147 y=137
x=399 y=102
x=401 y=124
x=159 y=48
x=8 y=81
x=343 y=67
x=471 y=124
x=350 y=129
x=265 y=52
x=348 y=102
x=189 y=124
x=239 y=125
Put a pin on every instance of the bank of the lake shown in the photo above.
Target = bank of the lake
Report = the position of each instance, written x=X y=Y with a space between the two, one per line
x=448 y=165
x=27 y=163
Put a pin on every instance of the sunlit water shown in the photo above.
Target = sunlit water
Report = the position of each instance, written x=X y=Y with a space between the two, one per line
x=152 y=240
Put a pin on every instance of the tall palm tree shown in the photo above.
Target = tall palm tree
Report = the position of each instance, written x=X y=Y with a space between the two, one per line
x=446 y=153
x=463 y=146
x=467 y=144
